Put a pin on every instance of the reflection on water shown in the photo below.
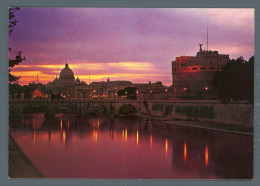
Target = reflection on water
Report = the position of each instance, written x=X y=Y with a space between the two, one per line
x=206 y=156
x=185 y=152
x=166 y=147
x=151 y=141
x=101 y=147
x=137 y=138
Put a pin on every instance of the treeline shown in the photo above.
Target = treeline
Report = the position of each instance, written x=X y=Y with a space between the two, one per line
x=16 y=90
x=235 y=81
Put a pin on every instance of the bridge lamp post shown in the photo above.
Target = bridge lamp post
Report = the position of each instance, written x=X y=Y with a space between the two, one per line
x=165 y=95
x=137 y=95
x=150 y=95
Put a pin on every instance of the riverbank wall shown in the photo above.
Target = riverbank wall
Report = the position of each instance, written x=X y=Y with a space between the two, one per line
x=19 y=166
x=238 y=113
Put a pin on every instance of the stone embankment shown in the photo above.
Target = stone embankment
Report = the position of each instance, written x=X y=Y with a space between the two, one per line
x=19 y=166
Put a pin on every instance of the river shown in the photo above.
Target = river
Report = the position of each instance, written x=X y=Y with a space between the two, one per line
x=130 y=148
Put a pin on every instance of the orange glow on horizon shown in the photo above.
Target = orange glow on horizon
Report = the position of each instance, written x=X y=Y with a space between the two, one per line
x=206 y=156
x=28 y=76
x=132 y=65
x=185 y=152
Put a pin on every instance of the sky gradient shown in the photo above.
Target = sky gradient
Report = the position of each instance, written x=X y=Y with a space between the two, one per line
x=135 y=44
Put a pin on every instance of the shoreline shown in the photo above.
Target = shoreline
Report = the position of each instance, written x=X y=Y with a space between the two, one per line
x=203 y=125
x=19 y=166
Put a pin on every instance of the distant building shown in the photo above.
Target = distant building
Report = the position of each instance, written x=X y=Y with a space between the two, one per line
x=108 y=89
x=152 y=90
x=192 y=75
x=67 y=86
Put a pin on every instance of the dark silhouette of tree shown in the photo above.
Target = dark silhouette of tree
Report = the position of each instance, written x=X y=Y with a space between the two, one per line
x=235 y=81
x=18 y=58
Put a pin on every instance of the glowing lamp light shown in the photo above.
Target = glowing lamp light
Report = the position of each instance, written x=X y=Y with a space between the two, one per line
x=137 y=92
x=206 y=88
x=166 y=90
x=184 y=88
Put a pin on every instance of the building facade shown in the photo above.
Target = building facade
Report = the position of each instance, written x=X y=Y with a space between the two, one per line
x=67 y=86
x=152 y=90
x=192 y=75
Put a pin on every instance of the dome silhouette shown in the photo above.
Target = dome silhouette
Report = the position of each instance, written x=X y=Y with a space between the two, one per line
x=66 y=74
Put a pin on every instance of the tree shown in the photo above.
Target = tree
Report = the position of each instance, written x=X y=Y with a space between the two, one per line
x=18 y=58
x=236 y=80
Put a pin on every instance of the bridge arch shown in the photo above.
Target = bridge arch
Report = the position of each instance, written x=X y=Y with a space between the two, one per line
x=33 y=107
x=65 y=107
x=126 y=109
x=95 y=108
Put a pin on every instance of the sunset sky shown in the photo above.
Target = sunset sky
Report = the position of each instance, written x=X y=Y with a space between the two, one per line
x=135 y=44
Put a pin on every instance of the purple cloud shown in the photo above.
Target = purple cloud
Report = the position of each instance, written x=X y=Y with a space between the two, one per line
x=106 y=35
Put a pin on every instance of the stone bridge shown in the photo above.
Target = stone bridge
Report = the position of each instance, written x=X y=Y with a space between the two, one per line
x=79 y=107
x=233 y=112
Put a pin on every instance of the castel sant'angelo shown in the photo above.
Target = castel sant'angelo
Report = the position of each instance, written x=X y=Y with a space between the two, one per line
x=192 y=75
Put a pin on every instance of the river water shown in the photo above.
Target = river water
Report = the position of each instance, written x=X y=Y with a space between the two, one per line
x=130 y=148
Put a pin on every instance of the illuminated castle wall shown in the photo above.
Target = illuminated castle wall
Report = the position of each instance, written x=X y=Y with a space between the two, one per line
x=192 y=75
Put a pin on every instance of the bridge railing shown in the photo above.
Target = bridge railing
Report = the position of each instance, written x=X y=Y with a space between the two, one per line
x=118 y=100
x=70 y=100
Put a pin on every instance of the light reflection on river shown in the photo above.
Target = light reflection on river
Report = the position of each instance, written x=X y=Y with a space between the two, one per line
x=100 y=147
